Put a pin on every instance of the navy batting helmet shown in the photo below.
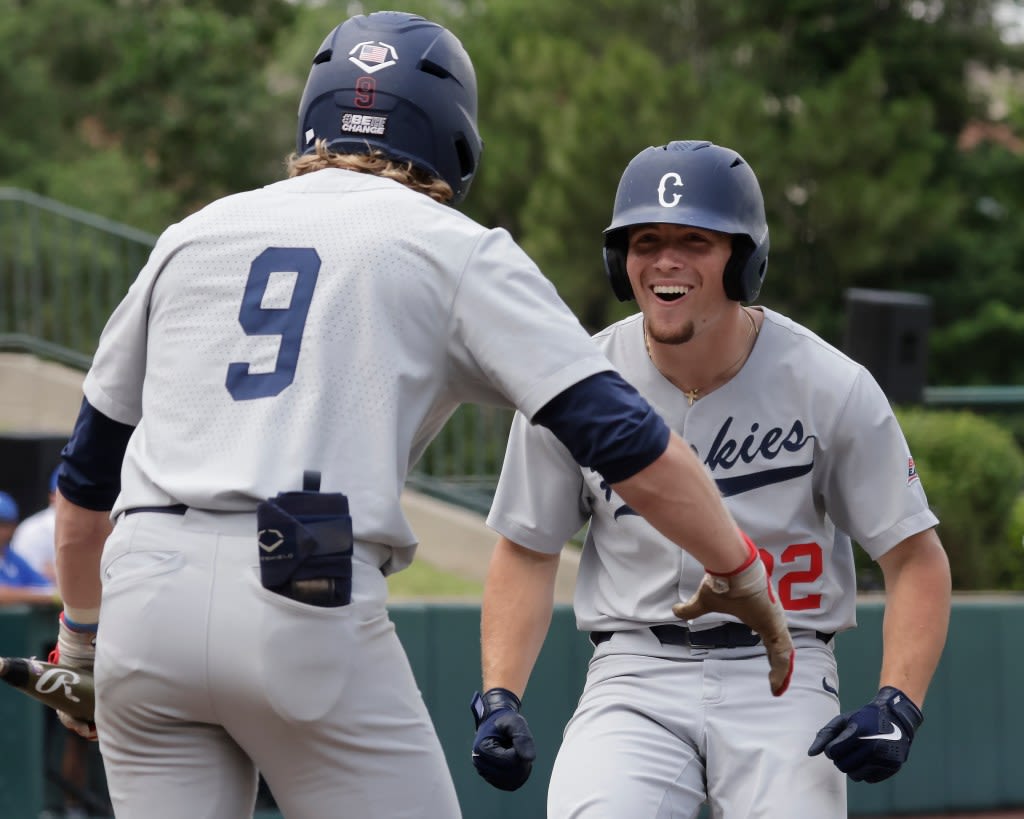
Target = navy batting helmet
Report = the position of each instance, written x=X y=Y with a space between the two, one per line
x=398 y=83
x=692 y=183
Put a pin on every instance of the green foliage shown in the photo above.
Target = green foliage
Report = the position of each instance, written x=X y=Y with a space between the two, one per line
x=567 y=209
x=177 y=91
x=144 y=110
x=973 y=472
x=113 y=183
x=1014 y=552
x=844 y=196
x=995 y=326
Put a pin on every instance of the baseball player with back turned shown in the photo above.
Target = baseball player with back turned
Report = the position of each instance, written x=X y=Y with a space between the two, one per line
x=806 y=451
x=228 y=501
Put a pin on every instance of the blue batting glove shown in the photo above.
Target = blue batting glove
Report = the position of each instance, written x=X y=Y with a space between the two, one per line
x=871 y=743
x=503 y=749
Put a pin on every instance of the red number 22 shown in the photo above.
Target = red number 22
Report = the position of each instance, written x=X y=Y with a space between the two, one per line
x=809 y=556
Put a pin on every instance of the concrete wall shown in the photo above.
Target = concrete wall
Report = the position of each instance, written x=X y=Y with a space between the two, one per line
x=37 y=396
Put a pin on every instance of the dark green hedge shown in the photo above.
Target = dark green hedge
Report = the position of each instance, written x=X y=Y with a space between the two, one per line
x=972 y=469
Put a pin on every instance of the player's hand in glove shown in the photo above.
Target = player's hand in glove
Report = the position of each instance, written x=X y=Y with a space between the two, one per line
x=76 y=648
x=747 y=593
x=871 y=743
x=503 y=749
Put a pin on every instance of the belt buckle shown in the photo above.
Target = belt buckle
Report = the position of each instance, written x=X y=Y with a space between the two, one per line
x=694 y=638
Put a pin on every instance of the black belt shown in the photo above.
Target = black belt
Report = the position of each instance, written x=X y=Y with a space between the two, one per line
x=176 y=509
x=727 y=635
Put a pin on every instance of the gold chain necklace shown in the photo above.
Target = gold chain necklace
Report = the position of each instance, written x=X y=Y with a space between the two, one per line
x=694 y=394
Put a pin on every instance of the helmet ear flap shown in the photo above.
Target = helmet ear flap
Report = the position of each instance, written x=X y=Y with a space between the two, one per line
x=745 y=270
x=615 y=266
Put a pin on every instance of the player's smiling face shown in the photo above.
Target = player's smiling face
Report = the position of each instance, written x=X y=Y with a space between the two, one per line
x=676 y=273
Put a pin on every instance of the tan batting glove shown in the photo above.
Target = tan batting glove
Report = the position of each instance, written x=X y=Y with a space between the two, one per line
x=76 y=648
x=747 y=593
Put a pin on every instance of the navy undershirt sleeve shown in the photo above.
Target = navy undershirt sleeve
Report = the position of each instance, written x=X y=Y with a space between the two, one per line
x=606 y=425
x=90 y=472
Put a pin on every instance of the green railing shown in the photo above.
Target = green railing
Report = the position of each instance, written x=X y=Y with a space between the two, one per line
x=62 y=270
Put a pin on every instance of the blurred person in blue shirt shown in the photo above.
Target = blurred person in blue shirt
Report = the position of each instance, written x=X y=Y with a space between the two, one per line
x=33 y=539
x=19 y=582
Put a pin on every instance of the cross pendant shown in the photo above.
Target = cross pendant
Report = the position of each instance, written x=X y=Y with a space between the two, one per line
x=691 y=396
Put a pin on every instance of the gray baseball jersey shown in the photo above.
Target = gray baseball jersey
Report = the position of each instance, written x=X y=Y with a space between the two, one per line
x=330 y=322
x=283 y=329
x=803 y=445
x=807 y=453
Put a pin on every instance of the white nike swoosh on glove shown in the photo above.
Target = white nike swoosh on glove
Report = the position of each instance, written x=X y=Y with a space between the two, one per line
x=894 y=735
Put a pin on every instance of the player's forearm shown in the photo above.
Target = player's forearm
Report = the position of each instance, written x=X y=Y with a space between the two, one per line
x=677 y=496
x=917 y=608
x=516 y=613
x=80 y=535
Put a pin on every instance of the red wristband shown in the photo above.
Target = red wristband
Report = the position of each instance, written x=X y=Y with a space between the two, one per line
x=754 y=555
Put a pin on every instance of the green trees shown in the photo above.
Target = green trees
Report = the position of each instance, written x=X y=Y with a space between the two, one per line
x=851 y=114
x=139 y=110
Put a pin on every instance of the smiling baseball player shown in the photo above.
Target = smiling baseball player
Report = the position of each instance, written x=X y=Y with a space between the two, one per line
x=805 y=449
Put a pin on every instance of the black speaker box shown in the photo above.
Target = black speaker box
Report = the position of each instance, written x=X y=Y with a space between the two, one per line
x=887 y=332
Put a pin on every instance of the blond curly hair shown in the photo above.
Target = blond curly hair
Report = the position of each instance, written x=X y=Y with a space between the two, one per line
x=374 y=162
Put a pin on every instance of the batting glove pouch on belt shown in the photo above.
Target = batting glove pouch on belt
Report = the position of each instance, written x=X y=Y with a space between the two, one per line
x=747 y=593
x=305 y=541
x=76 y=648
x=871 y=743
x=503 y=750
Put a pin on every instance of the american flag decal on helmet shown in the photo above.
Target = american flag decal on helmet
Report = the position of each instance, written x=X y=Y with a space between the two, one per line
x=372 y=53
x=373 y=56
